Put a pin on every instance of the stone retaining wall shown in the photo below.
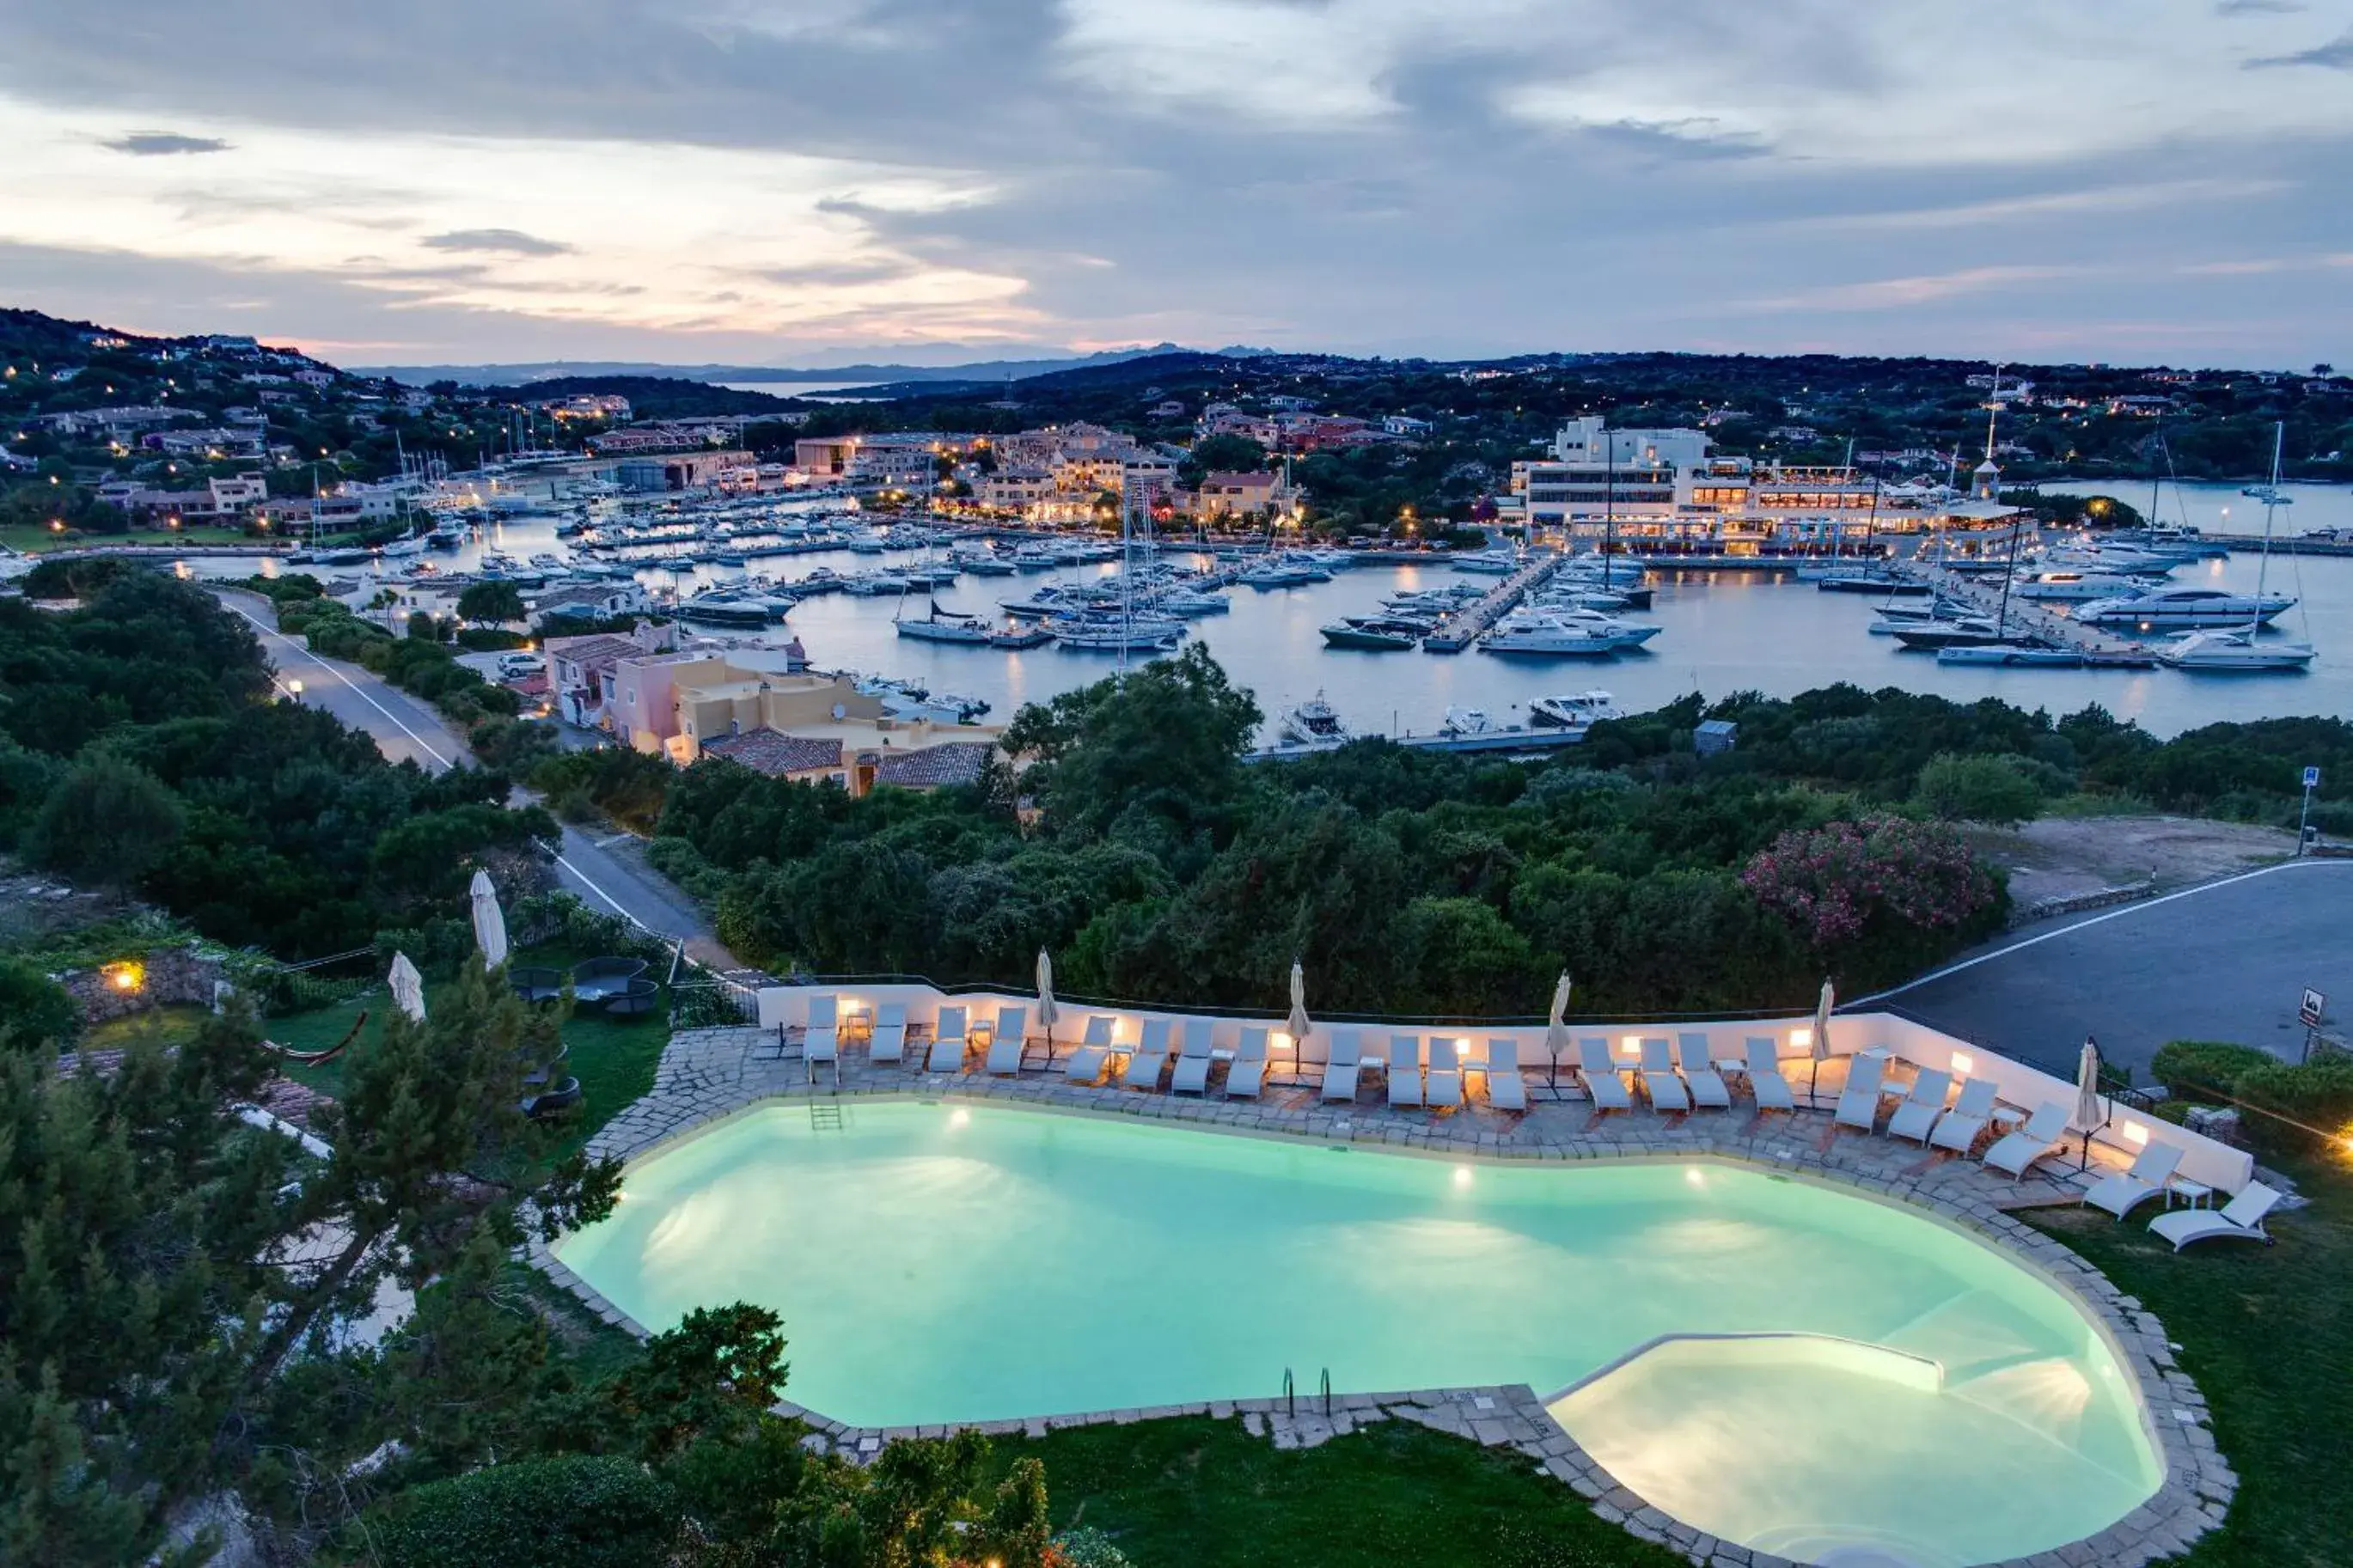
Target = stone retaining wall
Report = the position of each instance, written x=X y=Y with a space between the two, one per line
x=171 y=977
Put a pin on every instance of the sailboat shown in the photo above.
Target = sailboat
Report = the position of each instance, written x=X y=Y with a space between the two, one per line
x=2235 y=651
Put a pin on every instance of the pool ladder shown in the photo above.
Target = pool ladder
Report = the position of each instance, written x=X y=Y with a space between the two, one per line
x=1290 y=1393
x=824 y=1116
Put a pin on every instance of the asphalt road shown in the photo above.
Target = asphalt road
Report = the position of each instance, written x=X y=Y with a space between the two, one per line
x=405 y=730
x=2228 y=960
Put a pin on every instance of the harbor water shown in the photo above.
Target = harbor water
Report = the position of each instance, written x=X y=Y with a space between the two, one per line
x=1723 y=632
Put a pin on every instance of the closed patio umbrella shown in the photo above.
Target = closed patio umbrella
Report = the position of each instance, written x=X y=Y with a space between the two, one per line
x=489 y=921
x=408 y=987
x=1047 y=1011
x=2091 y=1114
x=1821 y=1047
x=1297 y=1024
x=1556 y=1025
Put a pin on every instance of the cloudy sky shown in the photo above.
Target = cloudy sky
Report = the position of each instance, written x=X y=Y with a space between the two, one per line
x=808 y=181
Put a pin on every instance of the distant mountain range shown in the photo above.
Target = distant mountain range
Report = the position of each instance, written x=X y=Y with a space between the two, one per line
x=864 y=373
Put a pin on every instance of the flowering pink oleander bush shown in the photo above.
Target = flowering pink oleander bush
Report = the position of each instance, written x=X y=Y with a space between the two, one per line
x=1872 y=893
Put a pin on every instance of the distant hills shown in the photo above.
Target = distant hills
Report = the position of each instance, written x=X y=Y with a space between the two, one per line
x=867 y=373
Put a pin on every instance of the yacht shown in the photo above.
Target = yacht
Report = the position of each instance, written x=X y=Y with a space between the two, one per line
x=1957 y=631
x=876 y=584
x=1868 y=580
x=731 y=607
x=1574 y=710
x=1552 y=637
x=2223 y=650
x=1033 y=558
x=1486 y=564
x=1314 y=723
x=2168 y=609
x=1378 y=633
x=2076 y=585
x=1466 y=721
x=1281 y=573
x=1110 y=634
x=2011 y=654
x=408 y=544
x=1190 y=602
x=448 y=535
x=944 y=626
x=547 y=563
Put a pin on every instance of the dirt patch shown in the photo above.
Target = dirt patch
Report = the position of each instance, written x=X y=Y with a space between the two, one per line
x=2076 y=857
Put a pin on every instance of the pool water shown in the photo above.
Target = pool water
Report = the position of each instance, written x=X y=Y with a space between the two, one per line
x=952 y=1263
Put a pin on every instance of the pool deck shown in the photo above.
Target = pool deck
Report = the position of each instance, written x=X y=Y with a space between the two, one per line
x=707 y=1075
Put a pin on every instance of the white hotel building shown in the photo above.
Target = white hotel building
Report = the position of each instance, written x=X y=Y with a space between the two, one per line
x=1664 y=493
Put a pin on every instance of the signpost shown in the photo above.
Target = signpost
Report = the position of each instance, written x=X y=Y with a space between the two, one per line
x=2311 y=782
x=2314 y=1008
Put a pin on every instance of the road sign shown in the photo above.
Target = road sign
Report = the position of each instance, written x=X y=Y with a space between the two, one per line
x=2316 y=1007
x=2312 y=778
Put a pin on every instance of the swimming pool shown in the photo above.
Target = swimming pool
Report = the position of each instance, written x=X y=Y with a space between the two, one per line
x=950 y=1263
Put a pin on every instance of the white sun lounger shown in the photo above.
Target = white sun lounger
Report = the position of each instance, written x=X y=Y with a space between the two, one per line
x=1248 y=1073
x=1086 y=1064
x=2015 y=1153
x=1916 y=1116
x=2242 y=1219
x=1405 y=1070
x=822 y=1041
x=1344 y=1066
x=1192 y=1073
x=1310 y=1056
x=2122 y=1193
x=1658 y=1078
x=889 y=1041
x=1151 y=1055
x=1005 y=1041
x=948 y=1042
x=1764 y=1080
x=1443 y=1075
x=821 y=1045
x=1598 y=1072
x=1507 y=1089
x=1858 y=1103
x=1707 y=1085
x=1958 y=1129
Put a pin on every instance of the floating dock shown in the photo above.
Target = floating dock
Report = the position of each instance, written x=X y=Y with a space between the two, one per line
x=2100 y=650
x=1459 y=630
x=1510 y=739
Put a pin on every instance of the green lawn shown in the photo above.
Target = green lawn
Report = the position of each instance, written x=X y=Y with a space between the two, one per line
x=614 y=1059
x=34 y=540
x=1205 y=1494
x=2268 y=1334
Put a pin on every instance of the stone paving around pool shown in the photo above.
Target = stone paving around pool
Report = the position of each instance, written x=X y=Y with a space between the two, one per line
x=709 y=1075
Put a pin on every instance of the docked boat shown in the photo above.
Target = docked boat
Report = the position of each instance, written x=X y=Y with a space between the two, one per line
x=407 y=545
x=1111 y=634
x=2226 y=651
x=2174 y=609
x=2013 y=654
x=448 y=535
x=1015 y=638
x=876 y=584
x=1315 y=722
x=1466 y=721
x=1579 y=710
x=1960 y=631
x=1551 y=638
x=1189 y=601
x=1486 y=564
x=1870 y=580
x=1378 y=633
x=943 y=626
x=1033 y=558
x=2074 y=585
x=732 y=608
x=546 y=563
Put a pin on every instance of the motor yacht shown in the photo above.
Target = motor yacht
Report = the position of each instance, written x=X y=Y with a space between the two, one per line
x=1574 y=710
x=2227 y=651
x=2184 y=608
x=1375 y=633
x=1315 y=722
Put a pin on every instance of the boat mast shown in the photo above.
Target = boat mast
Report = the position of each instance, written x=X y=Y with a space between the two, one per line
x=2270 y=504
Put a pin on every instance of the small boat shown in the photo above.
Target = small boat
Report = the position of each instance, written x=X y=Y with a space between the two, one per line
x=1018 y=637
x=1110 y=634
x=2011 y=654
x=1866 y=580
x=547 y=563
x=1466 y=721
x=1963 y=631
x=1574 y=710
x=2229 y=652
x=1315 y=722
x=1033 y=558
x=1378 y=633
x=408 y=544
x=985 y=565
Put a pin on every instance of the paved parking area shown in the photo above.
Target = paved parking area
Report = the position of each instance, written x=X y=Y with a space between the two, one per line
x=2226 y=961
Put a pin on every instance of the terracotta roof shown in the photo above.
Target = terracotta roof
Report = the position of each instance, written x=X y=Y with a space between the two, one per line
x=950 y=762
x=773 y=753
x=598 y=647
x=1254 y=480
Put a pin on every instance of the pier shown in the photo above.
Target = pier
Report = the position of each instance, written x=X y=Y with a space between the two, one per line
x=2028 y=619
x=1455 y=633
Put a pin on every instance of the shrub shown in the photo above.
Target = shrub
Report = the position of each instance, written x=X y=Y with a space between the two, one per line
x=1992 y=789
x=580 y=1511
x=1879 y=896
x=1086 y=1547
x=33 y=1007
x=2214 y=1068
